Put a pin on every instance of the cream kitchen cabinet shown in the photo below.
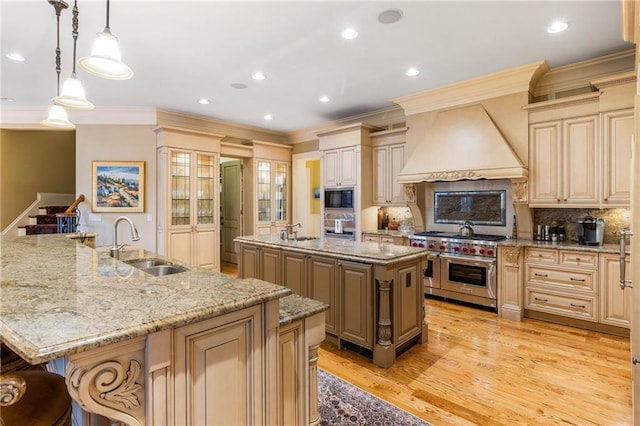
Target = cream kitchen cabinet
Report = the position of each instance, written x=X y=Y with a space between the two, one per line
x=259 y=262
x=385 y=239
x=618 y=128
x=322 y=286
x=564 y=163
x=562 y=282
x=219 y=367
x=615 y=303
x=340 y=167
x=188 y=206
x=272 y=190
x=388 y=162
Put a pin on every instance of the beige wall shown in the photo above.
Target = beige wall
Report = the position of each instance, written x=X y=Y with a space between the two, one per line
x=117 y=143
x=33 y=161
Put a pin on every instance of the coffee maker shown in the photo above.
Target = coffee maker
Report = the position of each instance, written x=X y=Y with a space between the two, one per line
x=590 y=231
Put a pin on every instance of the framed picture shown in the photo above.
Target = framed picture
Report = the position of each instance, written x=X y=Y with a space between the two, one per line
x=118 y=186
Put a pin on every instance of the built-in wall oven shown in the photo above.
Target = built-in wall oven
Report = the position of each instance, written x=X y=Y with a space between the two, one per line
x=460 y=268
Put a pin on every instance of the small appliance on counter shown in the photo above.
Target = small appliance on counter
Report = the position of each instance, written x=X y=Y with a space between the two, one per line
x=590 y=231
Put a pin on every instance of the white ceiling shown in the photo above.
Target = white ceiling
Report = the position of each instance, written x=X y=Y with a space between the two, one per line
x=181 y=51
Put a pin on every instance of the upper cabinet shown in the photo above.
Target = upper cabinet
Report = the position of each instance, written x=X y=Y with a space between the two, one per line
x=340 y=167
x=388 y=161
x=271 y=175
x=564 y=162
x=580 y=148
x=188 y=202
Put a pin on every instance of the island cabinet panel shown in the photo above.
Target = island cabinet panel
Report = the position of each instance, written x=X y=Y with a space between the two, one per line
x=291 y=377
x=408 y=313
x=219 y=369
x=322 y=286
x=294 y=273
x=260 y=262
x=355 y=293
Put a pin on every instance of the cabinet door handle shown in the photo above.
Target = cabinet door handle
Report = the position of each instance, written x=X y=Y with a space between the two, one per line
x=575 y=305
x=541 y=275
x=540 y=299
x=578 y=279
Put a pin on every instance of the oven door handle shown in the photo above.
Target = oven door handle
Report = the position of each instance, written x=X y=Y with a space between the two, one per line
x=466 y=261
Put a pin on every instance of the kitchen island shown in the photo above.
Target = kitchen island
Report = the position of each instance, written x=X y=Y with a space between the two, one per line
x=375 y=291
x=195 y=347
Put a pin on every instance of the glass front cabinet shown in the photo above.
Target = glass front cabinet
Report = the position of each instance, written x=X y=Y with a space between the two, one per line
x=188 y=205
x=272 y=188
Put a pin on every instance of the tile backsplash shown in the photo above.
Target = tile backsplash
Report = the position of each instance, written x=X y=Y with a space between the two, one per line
x=614 y=220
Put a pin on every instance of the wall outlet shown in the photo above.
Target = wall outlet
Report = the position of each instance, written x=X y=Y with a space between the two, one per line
x=149 y=217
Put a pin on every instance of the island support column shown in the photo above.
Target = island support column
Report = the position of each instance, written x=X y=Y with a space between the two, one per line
x=384 y=351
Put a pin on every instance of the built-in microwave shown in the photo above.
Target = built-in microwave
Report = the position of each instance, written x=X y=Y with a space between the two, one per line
x=338 y=198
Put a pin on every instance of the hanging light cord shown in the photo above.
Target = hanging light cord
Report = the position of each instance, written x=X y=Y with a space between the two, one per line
x=107 y=27
x=74 y=33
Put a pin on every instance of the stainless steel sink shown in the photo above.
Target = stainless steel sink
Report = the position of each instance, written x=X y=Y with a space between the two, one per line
x=146 y=263
x=161 y=270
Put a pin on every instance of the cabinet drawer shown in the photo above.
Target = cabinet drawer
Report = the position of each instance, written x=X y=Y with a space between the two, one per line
x=562 y=279
x=579 y=258
x=541 y=255
x=581 y=307
x=372 y=238
x=386 y=239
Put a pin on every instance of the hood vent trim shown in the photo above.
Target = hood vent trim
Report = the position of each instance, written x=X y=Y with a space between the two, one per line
x=463 y=143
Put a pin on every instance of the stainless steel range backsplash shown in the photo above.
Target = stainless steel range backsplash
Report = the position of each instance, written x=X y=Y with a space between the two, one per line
x=614 y=220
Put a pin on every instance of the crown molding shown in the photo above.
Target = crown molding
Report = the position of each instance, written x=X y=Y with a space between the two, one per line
x=30 y=117
x=514 y=80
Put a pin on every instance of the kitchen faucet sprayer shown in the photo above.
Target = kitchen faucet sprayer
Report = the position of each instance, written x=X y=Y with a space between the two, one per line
x=115 y=248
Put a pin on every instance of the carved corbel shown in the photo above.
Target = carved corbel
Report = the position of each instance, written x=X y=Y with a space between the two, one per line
x=520 y=191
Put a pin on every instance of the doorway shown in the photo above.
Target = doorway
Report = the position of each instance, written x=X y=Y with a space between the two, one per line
x=231 y=208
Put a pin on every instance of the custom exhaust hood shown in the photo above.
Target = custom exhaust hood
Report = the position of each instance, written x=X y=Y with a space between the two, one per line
x=461 y=143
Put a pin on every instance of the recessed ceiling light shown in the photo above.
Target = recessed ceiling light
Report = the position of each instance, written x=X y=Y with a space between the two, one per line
x=258 y=76
x=557 y=27
x=15 y=56
x=349 y=33
x=204 y=101
x=412 y=72
x=324 y=99
x=390 y=16
x=239 y=85
x=268 y=117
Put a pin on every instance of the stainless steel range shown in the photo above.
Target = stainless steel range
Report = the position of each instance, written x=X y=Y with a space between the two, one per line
x=460 y=267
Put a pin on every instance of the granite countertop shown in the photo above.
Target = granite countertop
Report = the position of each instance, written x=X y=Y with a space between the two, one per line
x=566 y=245
x=295 y=307
x=61 y=297
x=367 y=252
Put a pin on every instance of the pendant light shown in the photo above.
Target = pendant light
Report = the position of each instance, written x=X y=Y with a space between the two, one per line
x=72 y=94
x=105 y=60
x=58 y=115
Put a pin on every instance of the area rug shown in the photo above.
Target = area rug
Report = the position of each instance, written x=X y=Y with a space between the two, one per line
x=341 y=403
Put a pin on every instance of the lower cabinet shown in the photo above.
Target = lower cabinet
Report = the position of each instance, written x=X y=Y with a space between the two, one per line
x=291 y=376
x=322 y=276
x=259 y=262
x=615 y=303
x=385 y=239
x=219 y=367
x=356 y=297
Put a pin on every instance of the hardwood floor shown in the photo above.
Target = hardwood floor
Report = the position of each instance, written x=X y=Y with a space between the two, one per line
x=478 y=369
x=229 y=268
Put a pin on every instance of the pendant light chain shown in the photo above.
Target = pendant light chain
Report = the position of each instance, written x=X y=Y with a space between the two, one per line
x=107 y=26
x=74 y=33
x=58 y=6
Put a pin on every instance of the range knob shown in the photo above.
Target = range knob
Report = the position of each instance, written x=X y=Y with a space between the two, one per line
x=430 y=245
x=420 y=244
x=456 y=248
x=489 y=252
x=472 y=250
x=481 y=251
x=414 y=244
x=464 y=249
x=441 y=247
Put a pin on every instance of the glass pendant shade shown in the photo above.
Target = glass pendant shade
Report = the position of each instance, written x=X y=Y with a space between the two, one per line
x=58 y=118
x=105 y=60
x=72 y=94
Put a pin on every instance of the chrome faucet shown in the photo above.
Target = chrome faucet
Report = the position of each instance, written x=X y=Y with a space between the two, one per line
x=288 y=229
x=115 y=248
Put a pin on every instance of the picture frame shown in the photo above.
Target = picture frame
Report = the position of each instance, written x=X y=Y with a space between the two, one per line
x=118 y=186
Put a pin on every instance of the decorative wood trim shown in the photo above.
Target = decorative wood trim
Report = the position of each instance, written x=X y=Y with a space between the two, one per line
x=454 y=175
x=614 y=80
x=384 y=313
x=569 y=101
x=519 y=191
x=508 y=82
x=314 y=413
x=12 y=388
x=511 y=255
